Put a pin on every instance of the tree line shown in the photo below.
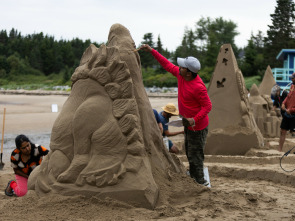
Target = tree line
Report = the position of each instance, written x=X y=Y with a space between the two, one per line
x=38 y=54
x=42 y=55
x=205 y=39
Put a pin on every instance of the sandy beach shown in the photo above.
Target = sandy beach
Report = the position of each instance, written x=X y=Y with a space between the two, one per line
x=250 y=187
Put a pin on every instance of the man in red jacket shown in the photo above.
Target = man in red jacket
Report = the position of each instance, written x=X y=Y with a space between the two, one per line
x=194 y=106
x=288 y=106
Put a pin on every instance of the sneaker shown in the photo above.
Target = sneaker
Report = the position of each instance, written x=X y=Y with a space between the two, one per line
x=9 y=193
x=203 y=182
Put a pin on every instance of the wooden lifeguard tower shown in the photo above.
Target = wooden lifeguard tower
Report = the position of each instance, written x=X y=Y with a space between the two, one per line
x=282 y=75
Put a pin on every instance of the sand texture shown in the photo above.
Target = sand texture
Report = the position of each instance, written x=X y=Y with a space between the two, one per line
x=102 y=143
x=249 y=187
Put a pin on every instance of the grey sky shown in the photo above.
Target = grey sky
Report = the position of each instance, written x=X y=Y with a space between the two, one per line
x=92 y=19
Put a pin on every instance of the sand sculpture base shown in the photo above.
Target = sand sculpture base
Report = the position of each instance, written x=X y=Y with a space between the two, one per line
x=231 y=141
x=133 y=190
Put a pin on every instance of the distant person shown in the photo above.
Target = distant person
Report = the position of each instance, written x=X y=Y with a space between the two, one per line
x=168 y=111
x=288 y=121
x=278 y=99
x=158 y=120
x=276 y=96
x=24 y=159
x=194 y=106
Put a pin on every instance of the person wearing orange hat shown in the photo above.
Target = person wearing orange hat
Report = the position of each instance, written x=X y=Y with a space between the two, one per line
x=168 y=111
x=194 y=106
x=288 y=121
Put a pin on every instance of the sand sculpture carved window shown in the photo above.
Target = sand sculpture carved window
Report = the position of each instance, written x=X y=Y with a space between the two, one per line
x=220 y=83
x=224 y=61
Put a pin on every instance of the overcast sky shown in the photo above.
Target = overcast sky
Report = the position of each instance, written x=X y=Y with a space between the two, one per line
x=92 y=19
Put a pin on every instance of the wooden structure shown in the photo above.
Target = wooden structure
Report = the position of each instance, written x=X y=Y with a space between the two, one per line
x=282 y=75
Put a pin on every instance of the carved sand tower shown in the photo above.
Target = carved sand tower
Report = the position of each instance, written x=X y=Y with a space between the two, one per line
x=105 y=142
x=266 y=118
x=232 y=127
x=267 y=83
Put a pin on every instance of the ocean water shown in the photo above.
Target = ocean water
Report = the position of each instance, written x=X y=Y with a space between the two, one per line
x=9 y=143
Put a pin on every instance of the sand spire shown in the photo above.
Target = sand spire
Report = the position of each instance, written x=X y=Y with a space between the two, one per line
x=267 y=83
x=232 y=128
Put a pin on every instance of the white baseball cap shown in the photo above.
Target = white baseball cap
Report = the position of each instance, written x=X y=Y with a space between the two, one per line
x=191 y=63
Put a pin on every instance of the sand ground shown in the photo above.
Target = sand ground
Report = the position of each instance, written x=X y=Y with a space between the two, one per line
x=250 y=187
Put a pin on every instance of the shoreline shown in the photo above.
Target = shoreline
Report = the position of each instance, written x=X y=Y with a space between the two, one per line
x=67 y=93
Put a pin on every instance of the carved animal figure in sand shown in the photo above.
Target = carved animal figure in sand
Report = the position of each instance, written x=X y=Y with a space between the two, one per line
x=102 y=143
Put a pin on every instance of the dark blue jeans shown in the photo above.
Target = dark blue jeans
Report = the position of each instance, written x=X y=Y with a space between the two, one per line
x=194 y=148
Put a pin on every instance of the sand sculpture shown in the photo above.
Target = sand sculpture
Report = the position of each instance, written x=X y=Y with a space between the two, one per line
x=232 y=127
x=105 y=141
x=266 y=118
x=267 y=83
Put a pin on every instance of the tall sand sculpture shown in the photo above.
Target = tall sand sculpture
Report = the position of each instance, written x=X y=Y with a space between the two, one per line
x=232 y=127
x=266 y=118
x=267 y=83
x=105 y=141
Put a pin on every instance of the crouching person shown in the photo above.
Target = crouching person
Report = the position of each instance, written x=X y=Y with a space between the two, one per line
x=24 y=159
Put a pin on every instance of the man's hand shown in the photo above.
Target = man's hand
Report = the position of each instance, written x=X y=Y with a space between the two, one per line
x=288 y=111
x=187 y=122
x=283 y=107
x=146 y=47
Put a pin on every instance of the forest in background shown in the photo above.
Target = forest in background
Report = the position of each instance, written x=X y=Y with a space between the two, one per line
x=40 y=61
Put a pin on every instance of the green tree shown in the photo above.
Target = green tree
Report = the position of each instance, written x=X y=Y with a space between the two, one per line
x=248 y=68
x=201 y=31
x=67 y=53
x=66 y=74
x=3 y=42
x=188 y=46
x=4 y=65
x=146 y=59
x=38 y=54
x=258 y=41
x=281 y=34
x=253 y=62
x=212 y=34
x=159 y=48
x=19 y=67
x=180 y=50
